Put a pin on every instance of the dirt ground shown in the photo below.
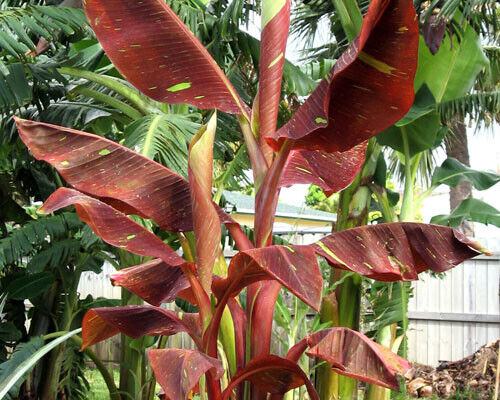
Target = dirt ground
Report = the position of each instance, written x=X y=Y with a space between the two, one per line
x=475 y=373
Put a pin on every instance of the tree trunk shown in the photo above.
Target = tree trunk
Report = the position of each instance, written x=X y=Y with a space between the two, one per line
x=457 y=147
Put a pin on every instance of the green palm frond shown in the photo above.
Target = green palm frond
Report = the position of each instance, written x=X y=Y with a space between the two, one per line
x=21 y=27
x=482 y=108
x=482 y=15
x=53 y=256
x=25 y=240
x=426 y=164
x=15 y=90
x=164 y=137
x=233 y=177
x=489 y=79
x=306 y=22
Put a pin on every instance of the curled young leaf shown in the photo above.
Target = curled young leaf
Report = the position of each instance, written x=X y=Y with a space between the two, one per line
x=272 y=374
x=353 y=354
x=369 y=88
x=396 y=251
x=154 y=281
x=159 y=55
x=135 y=321
x=178 y=371
x=207 y=230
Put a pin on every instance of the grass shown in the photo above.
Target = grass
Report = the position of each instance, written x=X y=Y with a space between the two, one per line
x=98 y=389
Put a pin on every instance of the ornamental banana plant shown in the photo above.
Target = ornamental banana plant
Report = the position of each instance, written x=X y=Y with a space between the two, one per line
x=369 y=88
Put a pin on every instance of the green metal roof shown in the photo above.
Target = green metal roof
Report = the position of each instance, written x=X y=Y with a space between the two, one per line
x=245 y=204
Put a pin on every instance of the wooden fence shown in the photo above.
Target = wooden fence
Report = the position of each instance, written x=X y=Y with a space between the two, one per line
x=450 y=317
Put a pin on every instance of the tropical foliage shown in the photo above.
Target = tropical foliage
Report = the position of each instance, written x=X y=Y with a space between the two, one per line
x=368 y=90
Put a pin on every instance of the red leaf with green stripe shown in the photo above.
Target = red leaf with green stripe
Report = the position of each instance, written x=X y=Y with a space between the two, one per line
x=396 y=251
x=135 y=321
x=295 y=267
x=369 y=88
x=207 y=230
x=111 y=225
x=154 y=281
x=353 y=354
x=272 y=374
x=330 y=171
x=159 y=55
x=178 y=371
x=119 y=176
x=275 y=25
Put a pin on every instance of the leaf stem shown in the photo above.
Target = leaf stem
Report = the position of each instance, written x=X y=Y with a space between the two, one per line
x=111 y=83
x=407 y=205
x=109 y=100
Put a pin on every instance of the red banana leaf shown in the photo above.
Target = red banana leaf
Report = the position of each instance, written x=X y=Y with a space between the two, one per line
x=135 y=321
x=272 y=374
x=275 y=25
x=396 y=251
x=153 y=281
x=159 y=55
x=295 y=267
x=207 y=230
x=102 y=168
x=178 y=371
x=330 y=171
x=112 y=226
x=369 y=88
x=353 y=354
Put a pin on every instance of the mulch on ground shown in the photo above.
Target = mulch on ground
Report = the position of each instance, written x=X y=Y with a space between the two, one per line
x=475 y=373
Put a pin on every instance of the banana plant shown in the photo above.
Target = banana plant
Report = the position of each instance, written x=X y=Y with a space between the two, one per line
x=367 y=90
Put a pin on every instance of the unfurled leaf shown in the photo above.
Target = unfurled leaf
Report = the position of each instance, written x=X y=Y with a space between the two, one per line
x=369 y=88
x=353 y=354
x=275 y=24
x=396 y=251
x=330 y=171
x=102 y=168
x=178 y=371
x=153 y=281
x=271 y=374
x=452 y=71
x=112 y=226
x=295 y=267
x=159 y=55
x=135 y=321
x=470 y=210
x=207 y=230
x=452 y=172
